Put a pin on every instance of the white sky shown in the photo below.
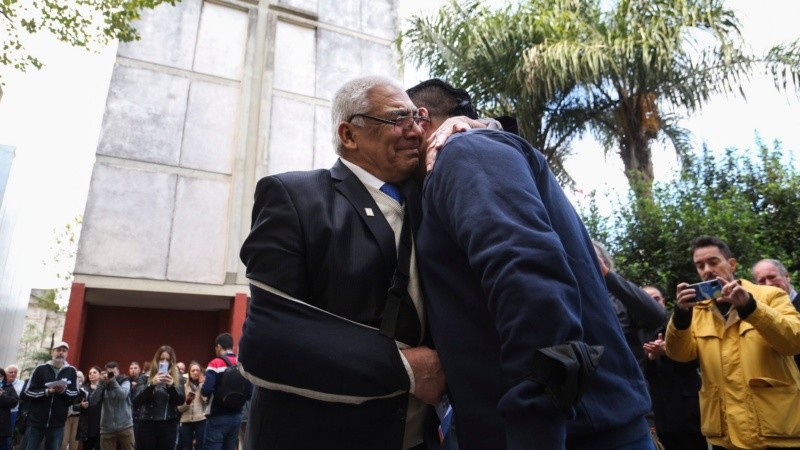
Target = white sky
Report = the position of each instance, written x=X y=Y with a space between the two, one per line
x=53 y=118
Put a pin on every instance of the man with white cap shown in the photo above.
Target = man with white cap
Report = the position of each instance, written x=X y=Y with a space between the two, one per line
x=50 y=390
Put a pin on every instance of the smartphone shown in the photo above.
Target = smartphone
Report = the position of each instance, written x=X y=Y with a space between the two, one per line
x=707 y=290
x=163 y=367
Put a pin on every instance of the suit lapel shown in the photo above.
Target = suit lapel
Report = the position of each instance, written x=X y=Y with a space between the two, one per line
x=351 y=188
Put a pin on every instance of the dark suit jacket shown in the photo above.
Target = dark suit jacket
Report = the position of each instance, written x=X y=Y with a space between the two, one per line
x=508 y=268
x=319 y=237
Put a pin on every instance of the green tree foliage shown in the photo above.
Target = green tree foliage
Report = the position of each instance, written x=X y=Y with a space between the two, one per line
x=81 y=23
x=751 y=200
x=627 y=71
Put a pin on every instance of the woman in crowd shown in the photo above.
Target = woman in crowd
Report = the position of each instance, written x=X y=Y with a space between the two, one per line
x=89 y=422
x=70 y=439
x=193 y=419
x=159 y=400
x=8 y=400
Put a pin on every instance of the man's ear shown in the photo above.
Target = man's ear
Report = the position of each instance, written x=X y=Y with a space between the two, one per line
x=424 y=124
x=732 y=262
x=345 y=132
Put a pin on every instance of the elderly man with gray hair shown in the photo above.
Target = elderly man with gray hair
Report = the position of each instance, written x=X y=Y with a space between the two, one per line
x=335 y=335
x=771 y=272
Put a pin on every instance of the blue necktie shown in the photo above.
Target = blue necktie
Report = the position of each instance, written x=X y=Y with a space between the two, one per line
x=392 y=191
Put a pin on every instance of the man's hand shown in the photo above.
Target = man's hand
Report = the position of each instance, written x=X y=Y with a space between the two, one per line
x=59 y=389
x=656 y=348
x=450 y=126
x=428 y=374
x=733 y=293
x=685 y=296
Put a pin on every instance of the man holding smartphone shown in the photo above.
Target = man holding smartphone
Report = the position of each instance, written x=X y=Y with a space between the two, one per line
x=744 y=340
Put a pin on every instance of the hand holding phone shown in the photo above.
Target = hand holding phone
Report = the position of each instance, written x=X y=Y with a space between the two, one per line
x=163 y=367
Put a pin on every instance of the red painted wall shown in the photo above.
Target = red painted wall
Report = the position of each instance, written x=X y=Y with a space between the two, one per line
x=134 y=334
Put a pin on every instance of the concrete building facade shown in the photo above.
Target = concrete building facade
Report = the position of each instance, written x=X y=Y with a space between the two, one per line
x=216 y=95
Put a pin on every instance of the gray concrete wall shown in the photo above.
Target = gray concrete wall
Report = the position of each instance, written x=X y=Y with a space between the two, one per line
x=215 y=96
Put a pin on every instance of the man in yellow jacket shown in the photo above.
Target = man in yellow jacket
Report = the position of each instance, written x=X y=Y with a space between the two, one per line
x=744 y=341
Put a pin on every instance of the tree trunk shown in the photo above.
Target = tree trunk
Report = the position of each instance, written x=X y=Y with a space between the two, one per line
x=638 y=159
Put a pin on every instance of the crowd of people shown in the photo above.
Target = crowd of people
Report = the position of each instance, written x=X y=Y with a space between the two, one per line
x=163 y=407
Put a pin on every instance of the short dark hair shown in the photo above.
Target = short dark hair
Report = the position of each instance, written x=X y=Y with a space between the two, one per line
x=709 y=241
x=442 y=99
x=135 y=362
x=224 y=340
x=112 y=365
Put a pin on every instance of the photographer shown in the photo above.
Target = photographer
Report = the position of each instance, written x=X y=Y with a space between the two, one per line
x=116 y=423
x=744 y=340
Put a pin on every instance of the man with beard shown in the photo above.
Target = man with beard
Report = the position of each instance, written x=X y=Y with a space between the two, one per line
x=51 y=390
x=744 y=341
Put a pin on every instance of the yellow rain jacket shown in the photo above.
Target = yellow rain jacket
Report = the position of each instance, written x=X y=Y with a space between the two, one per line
x=750 y=396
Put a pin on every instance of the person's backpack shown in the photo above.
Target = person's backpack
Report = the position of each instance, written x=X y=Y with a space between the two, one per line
x=233 y=390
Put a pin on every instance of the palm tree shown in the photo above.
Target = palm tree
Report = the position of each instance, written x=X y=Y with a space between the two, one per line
x=482 y=50
x=564 y=67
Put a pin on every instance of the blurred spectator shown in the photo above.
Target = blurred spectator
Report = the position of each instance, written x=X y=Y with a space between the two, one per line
x=181 y=368
x=70 y=440
x=771 y=272
x=638 y=315
x=89 y=423
x=51 y=390
x=744 y=341
x=116 y=424
x=8 y=401
x=193 y=418
x=674 y=390
x=12 y=375
x=223 y=423
x=159 y=399
x=137 y=379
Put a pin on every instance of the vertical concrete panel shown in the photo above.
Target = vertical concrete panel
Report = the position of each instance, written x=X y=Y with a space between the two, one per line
x=221 y=41
x=378 y=59
x=199 y=231
x=338 y=60
x=379 y=18
x=168 y=35
x=127 y=223
x=342 y=13
x=295 y=58
x=144 y=116
x=291 y=146
x=324 y=153
x=209 y=137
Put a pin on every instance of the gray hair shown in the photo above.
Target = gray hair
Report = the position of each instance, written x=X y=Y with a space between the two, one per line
x=603 y=253
x=353 y=98
x=777 y=264
x=12 y=366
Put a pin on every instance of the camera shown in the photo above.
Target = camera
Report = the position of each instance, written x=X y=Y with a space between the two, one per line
x=110 y=374
x=707 y=290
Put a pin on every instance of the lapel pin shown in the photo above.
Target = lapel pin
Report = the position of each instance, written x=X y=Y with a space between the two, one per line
x=369 y=212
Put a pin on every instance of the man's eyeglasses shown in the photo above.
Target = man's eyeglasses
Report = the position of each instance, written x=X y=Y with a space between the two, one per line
x=405 y=123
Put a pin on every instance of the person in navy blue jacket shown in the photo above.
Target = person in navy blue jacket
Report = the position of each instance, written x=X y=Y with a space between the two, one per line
x=532 y=351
